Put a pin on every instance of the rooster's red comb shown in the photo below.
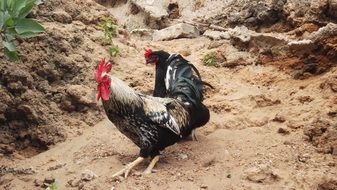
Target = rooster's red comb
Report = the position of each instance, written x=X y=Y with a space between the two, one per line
x=103 y=66
x=147 y=53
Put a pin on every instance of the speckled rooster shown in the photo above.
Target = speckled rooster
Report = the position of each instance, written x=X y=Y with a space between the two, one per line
x=152 y=123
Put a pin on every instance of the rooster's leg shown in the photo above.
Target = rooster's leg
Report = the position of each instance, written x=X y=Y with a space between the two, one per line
x=194 y=136
x=151 y=165
x=128 y=167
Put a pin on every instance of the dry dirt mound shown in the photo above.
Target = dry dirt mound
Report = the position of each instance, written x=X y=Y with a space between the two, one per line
x=51 y=86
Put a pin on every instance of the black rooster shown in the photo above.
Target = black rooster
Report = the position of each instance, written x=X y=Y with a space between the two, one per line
x=173 y=68
x=152 y=123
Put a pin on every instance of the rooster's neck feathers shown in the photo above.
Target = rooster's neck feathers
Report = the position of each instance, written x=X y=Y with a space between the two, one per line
x=121 y=94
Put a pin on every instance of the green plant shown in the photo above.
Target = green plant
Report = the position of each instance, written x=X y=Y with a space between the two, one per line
x=109 y=29
x=210 y=59
x=14 y=24
x=114 y=51
x=52 y=186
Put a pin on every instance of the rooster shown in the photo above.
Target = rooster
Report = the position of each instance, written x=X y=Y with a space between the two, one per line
x=152 y=123
x=169 y=69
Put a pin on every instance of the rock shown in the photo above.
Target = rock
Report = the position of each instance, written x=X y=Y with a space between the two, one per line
x=256 y=13
x=283 y=131
x=216 y=35
x=279 y=118
x=304 y=99
x=301 y=46
x=182 y=156
x=244 y=38
x=88 y=175
x=325 y=32
x=181 y=30
x=303 y=158
x=48 y=180
x=154 y=8
x=262 y=174
x=203 y=186
x=38 y=183
x=62 y=17
x=156 y=15
x=142 y=33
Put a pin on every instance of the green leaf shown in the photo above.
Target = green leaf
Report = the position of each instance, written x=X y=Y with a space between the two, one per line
x=10 y=5
x=9 y=37
x=10 y=50
x=28 y=25
x=27 y=35
x=11 y=31
x=9 y=22
x=3 y=5
x=4 y=16
x=9 y=45
x=12 y=55
x=18 y=5
x=26 y=10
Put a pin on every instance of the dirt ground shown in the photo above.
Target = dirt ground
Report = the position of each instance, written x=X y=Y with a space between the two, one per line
x=269 y=128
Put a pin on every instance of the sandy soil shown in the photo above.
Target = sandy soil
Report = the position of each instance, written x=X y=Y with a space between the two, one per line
x=267 y=129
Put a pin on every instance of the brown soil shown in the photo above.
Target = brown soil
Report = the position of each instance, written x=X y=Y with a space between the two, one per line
x=268 y=130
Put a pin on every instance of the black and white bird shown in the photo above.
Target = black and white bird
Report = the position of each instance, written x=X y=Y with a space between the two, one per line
x=171 y=68
x=152 y=123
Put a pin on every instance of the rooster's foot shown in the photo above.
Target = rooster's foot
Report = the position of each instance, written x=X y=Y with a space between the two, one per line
x=128 y=168
x=151 y=165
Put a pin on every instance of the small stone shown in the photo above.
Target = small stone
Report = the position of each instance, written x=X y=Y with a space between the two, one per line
x=279 y=118
x=38 y=183
x=190 y=179
x=208 y=162
x=283 y=131
x=49 y=180
x=88 y=175
x=261 y=174
x=303 y=158
x=304 y=99
x=182 y=156
x=203 y=186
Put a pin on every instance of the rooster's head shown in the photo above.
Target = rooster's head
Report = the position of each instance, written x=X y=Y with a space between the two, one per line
x=150 y=57
x=103 y=79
